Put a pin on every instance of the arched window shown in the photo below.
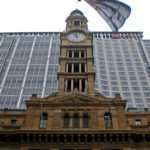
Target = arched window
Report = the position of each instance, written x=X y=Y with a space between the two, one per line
x=43 y=120
x=66 y=120
x=76 y=120
x=108 y=120
x=85 y=120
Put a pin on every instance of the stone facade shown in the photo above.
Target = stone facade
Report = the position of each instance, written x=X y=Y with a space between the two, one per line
x=23 y=130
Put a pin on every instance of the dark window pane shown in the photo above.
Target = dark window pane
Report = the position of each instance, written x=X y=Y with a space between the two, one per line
x=66 y=120
x=76 y=23
x=82 y=54
x=108 y=120
x=70 y=53
x=85 y=120
x=13 y=121
x=76 y=121
x=76 y=54
x=43 y=120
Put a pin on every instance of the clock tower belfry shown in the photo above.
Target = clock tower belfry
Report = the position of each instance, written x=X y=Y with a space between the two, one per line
x=76 y=21
x=76 y=60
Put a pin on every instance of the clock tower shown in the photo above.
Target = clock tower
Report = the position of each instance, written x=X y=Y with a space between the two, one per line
x=76 y=60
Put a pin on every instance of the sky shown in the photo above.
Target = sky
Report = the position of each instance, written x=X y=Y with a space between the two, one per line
x=50 y=15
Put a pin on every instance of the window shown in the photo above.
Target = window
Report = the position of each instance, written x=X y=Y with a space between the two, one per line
x=85 y=120
x=82 y=67
x=43 y=120
x=68 y=86
x=84 y=88
x=76 y=84
x=76 y=23
x=115 y=88
x=126 y=94
x=13 y=122
x=125 y=88
x=76 y=67
x=70 y=54
x=66 y=120
x=76 y=120
x=69 y=67
x=76 y=54
x=138 y=122
x=108 y=120
x=82 y=54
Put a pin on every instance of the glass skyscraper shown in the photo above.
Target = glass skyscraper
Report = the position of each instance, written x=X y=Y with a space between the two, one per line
x=29 y=63
x=122 y=66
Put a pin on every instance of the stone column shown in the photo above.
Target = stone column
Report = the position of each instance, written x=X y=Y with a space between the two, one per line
x=71 y=120
x=80 y=85
x=72 y=85
x=67 y=68
x=79 y=54
x=80 y=70
x=66 y=85
x=72 y=69
x=81 y=120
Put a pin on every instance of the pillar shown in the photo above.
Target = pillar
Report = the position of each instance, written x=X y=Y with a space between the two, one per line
x=80 y=54
x=67 y=68
x=72 y=84
x=80 y=69
x=72 y=69
x=80 y=85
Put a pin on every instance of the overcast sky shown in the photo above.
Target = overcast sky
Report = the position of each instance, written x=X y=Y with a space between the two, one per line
x=50 y=15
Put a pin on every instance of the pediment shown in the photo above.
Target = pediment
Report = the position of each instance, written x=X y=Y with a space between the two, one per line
x=75 y=99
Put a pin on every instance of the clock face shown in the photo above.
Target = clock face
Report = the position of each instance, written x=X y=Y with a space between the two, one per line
x=76 y=36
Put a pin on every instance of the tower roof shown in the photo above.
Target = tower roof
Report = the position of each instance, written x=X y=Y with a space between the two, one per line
x=76 y=13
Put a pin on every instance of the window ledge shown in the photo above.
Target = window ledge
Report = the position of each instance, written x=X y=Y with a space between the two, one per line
x=139 y=126
x=7 y=126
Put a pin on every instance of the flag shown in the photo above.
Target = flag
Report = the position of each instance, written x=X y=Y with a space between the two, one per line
x=114 y=12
